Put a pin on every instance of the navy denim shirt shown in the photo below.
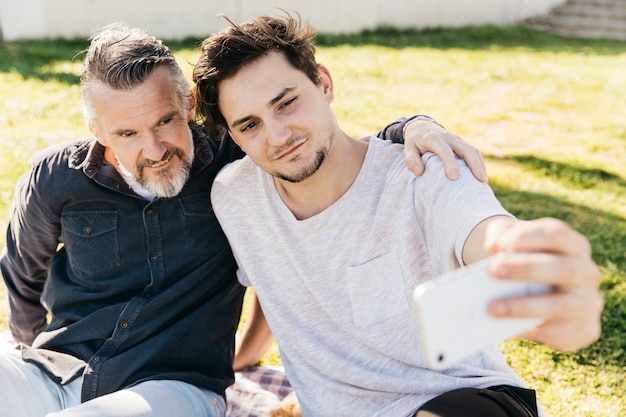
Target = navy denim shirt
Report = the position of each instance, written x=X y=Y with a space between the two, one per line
x=136 y=290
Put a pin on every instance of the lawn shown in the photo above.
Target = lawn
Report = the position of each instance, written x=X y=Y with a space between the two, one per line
x=548 y=113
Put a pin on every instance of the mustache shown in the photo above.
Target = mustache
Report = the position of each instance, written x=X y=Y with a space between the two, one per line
x=166 y=157
x=279 y=151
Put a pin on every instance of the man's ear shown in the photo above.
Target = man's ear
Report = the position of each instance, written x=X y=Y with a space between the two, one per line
x=326 y=83
x=191 y=105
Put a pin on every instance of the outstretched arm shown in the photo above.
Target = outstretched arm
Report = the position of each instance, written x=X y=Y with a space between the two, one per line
x=422 y=134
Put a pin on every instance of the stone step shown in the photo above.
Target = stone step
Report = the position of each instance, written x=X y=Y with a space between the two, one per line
x=601 y=3
x=586 y=10
x=587 y=33
x=607 y=23
x=585 y=19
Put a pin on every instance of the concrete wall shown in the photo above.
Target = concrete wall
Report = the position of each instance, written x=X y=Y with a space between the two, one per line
x=21 y=19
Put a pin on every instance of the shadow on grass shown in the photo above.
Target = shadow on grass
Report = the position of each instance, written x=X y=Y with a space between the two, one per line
x=572 y=176
x=606 y=231
x=32 y=58
x=29 y=57
x=607 y=234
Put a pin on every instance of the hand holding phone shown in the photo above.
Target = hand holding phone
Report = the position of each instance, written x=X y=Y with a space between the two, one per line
x=453 y=317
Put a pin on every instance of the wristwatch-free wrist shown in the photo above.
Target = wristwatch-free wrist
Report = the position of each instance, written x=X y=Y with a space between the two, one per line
x=419 y=117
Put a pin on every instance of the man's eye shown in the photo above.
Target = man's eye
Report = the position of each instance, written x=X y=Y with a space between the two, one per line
x=249 y=126
x=127 y=134
x=288 y=102
x=166 y=121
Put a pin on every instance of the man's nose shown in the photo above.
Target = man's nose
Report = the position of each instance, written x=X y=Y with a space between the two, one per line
x=278 y=132
x=153 y=148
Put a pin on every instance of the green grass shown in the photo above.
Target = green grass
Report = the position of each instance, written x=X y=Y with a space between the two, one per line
x=547 y=112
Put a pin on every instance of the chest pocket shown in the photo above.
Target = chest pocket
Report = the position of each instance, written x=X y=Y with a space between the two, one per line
x=377 y=290
x=202 y=231
x=91 y=240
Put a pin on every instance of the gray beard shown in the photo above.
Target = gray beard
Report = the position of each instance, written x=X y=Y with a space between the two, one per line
x=174 y=181
x=172 y=187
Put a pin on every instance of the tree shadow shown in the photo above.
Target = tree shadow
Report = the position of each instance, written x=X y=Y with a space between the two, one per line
x=30 y=58
x=33 y=59
x=570 y=175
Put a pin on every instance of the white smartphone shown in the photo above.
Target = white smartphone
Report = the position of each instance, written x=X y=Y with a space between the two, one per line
x=453 y=317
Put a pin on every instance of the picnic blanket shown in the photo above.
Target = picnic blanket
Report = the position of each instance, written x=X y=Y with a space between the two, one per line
x=255 y=392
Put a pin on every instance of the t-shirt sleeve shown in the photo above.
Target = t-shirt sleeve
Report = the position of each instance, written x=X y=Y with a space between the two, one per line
x=243 y=278
x=451 y=210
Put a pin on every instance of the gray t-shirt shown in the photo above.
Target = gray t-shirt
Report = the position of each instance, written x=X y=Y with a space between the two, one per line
x=336 y=288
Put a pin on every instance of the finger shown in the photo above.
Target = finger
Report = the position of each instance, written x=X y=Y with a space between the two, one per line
x=436 y=140
x=547 y=234
x=471 y=155
x=427 y=136
x=444 y=151
x=413 y=161
x=548 y=268
x=549 y=306
x=555 y=307
x=566 y=336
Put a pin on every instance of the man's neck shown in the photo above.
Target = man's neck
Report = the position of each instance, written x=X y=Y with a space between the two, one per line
x=339 y=170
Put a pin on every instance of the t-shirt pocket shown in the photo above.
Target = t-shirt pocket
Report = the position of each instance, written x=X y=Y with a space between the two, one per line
x=377 y=290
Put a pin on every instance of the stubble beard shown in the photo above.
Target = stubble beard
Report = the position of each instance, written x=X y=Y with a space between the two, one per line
x=308 y=171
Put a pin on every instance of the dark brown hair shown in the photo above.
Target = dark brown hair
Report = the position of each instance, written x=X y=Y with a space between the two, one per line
x=226 y=52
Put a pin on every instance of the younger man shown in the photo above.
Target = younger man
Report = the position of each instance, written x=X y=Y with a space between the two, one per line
x=335 y=233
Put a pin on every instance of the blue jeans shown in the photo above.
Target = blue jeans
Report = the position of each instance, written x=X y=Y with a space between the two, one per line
x=25 y=391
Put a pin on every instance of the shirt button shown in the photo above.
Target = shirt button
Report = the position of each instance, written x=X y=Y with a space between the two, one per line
x=147 y=295
x=214 y=400
x=87 y=230
x=124 y=324
x=149 y=212
x=95 y=359
x=153 y=258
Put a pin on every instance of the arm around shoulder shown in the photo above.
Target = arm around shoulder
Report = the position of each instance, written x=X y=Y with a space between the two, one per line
x=421 y=134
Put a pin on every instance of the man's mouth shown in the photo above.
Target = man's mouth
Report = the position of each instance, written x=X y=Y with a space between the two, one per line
x=290 y=149
x=157 y=164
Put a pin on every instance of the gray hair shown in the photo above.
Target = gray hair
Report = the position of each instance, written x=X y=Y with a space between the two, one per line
x=122 y=58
